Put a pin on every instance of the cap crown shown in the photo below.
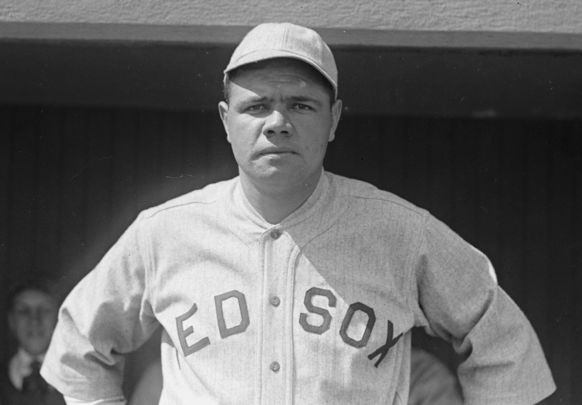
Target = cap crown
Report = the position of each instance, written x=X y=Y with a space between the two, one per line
x=285 y=40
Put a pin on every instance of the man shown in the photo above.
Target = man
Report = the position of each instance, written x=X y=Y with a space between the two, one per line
x=32 y=315
x=288 y=284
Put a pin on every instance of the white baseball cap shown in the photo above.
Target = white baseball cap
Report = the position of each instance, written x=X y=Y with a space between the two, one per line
x=285 y=40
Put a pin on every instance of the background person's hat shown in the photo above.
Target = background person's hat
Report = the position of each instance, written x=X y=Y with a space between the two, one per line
x=285 y=40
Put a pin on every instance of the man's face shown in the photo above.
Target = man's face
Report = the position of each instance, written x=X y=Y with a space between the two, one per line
x=32 y=320
x=279 y=121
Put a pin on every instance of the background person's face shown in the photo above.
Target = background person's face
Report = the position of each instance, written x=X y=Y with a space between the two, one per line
x=32 y=320
x=279 y=122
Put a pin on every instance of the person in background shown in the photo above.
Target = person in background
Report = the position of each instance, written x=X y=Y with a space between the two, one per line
x=32 y=315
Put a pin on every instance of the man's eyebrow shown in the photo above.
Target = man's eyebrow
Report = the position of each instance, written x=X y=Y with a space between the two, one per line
x=306 y=99
x=254 y=99
x=262 y=99
x=251 y=99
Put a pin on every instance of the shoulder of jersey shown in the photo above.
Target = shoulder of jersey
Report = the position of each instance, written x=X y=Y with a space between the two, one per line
x=366 y=193
x=200 y=197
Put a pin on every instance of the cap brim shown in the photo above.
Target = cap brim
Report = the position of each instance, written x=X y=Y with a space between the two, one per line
x=266 y=54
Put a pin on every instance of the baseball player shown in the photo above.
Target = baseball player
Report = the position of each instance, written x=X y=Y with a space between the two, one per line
x=289 y=284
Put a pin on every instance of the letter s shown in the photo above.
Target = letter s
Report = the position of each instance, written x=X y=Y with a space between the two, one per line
x=309 y=294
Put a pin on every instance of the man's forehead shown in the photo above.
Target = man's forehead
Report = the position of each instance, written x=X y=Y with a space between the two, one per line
x=278 y=79
x=33 y=298
x=279 y=72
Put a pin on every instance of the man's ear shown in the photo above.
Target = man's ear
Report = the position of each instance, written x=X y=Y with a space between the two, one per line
x=223 y=112
x=336 y=112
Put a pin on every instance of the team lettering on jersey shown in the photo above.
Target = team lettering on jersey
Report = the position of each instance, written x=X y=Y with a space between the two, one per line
x=319 y=329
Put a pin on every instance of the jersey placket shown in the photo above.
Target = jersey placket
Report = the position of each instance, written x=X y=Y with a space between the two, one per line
x=274 y=365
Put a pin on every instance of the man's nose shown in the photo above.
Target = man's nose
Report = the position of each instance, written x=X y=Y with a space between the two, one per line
x=36 y=317
x=277 y=123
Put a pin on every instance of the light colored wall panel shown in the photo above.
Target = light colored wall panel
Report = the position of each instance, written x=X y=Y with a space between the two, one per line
x=561 y=16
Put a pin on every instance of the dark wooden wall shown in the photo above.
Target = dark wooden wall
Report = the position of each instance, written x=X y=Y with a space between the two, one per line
x=71 y=179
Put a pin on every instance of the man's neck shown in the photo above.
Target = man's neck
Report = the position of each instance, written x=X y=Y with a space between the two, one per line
x=276 y=202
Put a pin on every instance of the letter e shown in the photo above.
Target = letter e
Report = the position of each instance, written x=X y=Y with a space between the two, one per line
x=184 y=333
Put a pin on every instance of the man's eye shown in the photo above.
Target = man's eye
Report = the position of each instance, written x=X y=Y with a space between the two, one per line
x=256 y=108
x=23 y=312
x=303 y=107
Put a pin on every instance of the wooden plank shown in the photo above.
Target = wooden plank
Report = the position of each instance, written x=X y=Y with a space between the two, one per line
x=465 y=187
x=511 y=250
x=222 y=164
x=23 y=183
x=441 y=162
x=6 y=191
x=5 y=214
x=418 y=161
x=171 y=156
x=197 y=154
x=336 y=152
x=488 y=190
x=72 y=175
x=97 y=184
x=47 y=230
x=537 y=265
x=574 y=251
x=336 y=37
x=356 y=151
x=124 y=188
x=565 y=243
x=393 y=144
x=149 y=128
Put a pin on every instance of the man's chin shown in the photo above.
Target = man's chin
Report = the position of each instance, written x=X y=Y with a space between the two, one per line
x=283 y=176
x=280 y=177
x=35 y=348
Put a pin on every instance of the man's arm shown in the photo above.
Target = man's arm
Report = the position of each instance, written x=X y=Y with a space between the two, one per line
x=104 y=317
x=461 y=302
x=110 y=401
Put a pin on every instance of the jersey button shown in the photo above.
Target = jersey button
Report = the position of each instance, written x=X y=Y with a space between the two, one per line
x=275 y=234
x=275 y=367
x=274 y=300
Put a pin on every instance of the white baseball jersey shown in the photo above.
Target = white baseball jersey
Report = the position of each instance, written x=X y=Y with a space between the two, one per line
x=314 y=310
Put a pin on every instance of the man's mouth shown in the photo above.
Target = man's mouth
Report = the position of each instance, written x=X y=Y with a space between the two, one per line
x=277 y=151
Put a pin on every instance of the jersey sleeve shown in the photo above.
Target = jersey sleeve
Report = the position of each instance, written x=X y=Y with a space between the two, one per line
x=105 y=316
x=461 y=302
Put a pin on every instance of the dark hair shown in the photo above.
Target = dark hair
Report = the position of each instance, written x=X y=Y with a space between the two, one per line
x=40 y=284
x=315 y=75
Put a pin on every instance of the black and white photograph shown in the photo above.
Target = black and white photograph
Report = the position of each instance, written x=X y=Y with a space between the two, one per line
x=300 y=203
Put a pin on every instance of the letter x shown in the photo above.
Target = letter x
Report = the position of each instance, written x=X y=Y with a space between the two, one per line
x=383 y=350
